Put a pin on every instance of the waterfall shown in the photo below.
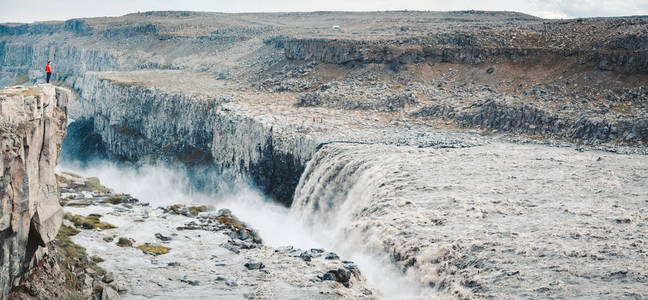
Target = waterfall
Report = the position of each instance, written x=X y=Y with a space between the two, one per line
x=339 y=183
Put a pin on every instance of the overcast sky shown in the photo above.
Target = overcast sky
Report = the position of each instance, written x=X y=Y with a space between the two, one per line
x=39 y=10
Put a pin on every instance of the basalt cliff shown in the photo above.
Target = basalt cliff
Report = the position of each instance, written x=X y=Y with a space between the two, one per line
x=33 y=126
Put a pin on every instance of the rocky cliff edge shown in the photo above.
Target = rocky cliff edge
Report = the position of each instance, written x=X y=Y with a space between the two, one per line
x=33 y=124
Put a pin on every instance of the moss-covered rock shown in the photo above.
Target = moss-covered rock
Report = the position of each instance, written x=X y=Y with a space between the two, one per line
x=73 y=255
x=153 y=249
x=96 y=259
x=195 y=210
x=68 y=231
x=181 y=209
x=64 y=201
x=93 y=184
x=125 y=242
x=115 y=199
x=108 y=239
x=92 y=221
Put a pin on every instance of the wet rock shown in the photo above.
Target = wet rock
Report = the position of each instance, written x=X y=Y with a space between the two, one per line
x=187 y=211
x=108 y=278
x=340 y=275
x=331 y=255
x=254 y=265
x=284 y=249
x=231 y=247
x=305 y=256
x=225 y=212
x=162 y=237
x=125 y=242
x=121 y=287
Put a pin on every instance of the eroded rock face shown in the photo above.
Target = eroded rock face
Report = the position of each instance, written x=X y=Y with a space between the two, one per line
x=33 y=123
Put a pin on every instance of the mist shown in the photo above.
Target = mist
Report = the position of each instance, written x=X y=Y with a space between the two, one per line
x=277 y=225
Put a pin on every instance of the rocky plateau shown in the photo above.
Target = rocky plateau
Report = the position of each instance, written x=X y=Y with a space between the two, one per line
x=458 y=155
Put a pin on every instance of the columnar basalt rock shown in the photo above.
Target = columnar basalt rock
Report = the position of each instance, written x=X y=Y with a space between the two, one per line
x=33 y=123
x=139 y=123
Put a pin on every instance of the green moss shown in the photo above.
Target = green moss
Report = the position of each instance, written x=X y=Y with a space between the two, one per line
x=115 y=199
x=64 y=201
x=94 y=184
x=73 y=257
x=233 y=222
x=197 y=209
x=89 y=222
x=62 y=180
x=96 y=259
x=193 y=210
x=155 y=250
x=78 y=204
x=68 y=231
x=176 y=208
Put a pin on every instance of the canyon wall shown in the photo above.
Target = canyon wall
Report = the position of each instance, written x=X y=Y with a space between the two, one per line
x=32 y=127
x=340 y=51
x=140 y=123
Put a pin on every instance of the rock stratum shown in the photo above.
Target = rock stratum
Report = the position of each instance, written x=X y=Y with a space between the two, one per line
x=33 y=126
x=402 y=134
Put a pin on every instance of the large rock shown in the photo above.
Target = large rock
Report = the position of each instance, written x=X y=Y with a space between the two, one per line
x=33 y=122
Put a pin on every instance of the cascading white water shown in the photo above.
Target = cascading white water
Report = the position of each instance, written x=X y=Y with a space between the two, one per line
x=336 y=185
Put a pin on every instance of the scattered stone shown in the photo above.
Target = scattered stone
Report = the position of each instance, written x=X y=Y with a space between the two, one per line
x=181 y=209
x=231 y=248
x=305 y=256
x=252 y=265
x=108 y=278
x=162 y=237
x=340 y=275
x=331 y=255
x=125 y=242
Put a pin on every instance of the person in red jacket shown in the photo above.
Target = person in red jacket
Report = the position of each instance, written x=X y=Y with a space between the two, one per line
x=48 y=69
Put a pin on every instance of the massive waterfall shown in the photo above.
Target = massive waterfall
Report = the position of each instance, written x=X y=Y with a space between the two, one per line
x=336 y=188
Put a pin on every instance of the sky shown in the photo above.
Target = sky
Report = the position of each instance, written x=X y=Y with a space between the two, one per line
x=40 y=10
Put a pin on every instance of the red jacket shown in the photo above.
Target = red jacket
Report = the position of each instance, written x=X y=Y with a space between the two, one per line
x=48 y=68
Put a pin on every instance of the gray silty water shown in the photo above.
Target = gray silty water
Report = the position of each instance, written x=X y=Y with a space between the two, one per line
x=497 y=220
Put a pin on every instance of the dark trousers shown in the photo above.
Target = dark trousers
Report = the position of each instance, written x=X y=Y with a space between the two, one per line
x=48 y=76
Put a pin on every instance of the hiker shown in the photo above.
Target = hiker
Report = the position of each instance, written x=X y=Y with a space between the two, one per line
x=48 y=69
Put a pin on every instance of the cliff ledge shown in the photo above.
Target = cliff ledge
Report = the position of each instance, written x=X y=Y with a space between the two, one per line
x=33 y=124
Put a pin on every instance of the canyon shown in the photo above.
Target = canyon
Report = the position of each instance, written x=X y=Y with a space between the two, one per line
x=465 y=154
